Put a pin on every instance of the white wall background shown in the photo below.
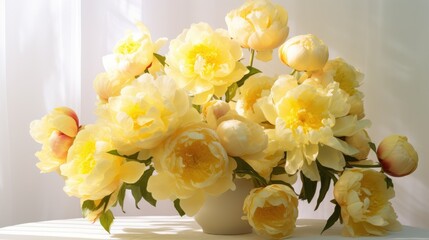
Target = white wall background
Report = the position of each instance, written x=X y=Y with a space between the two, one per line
x=50 y=52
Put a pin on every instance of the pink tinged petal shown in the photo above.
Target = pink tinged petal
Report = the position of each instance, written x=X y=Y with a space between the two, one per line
x=341 y=146
x=69 y=112
x=65 y=124
x=331 y=158
x=131 y=171
x=193 y=204
x=59 y=144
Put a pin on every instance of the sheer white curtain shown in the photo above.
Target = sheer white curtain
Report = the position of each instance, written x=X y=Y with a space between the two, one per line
x=51 y=51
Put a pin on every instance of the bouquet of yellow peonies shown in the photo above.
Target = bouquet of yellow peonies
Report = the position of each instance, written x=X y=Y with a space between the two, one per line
x=183 y=126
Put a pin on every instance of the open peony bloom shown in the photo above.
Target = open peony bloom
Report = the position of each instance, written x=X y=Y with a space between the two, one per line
x=133 y=54
x=272 y=211
x=110 y=84
x=364 y=199
x=93 y=173
x=145 y=113
x=205 y=62
x=190 y=164
x=397 y=156
x=56 y=131
x=304 y=53
x=259 y=25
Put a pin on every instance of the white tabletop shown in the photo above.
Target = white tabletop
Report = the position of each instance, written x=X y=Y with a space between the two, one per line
x=167 y=227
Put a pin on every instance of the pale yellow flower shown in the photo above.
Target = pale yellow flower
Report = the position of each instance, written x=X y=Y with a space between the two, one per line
x=56 y=131
x=349 y=79
x=205 y=62
x=133 y=54
x=397 y=156
x=92 y=173
x=260 y=25
x=190 y=164
x=308 y=117
x=213 y=110
x=145 y=113
x=110 y=84
x=304 y=53
x=364 y=199
x=360 y=141
x=249 y=93
x=272 y=211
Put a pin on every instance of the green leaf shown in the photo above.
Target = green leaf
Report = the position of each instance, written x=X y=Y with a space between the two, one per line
x=372 y=146
x=230 y=93
x=325 y=183
x=333 y=218
x=88 y=205
x=244 y=168
x=278 y=171
x=178 y=207
x=160 y=58
x=350 y=158
x=143 y=186
x=282 y=183
x=135 y=191
x=121 y=196
x=308 y=188
x=388 y=181
x=106 y=220
x=132 y=157
x=252 y=71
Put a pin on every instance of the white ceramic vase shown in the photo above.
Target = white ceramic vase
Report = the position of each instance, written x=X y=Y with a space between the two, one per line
x=222 y=215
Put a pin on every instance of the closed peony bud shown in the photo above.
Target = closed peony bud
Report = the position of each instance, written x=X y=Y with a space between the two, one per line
x=397 y=156
x=304 y=53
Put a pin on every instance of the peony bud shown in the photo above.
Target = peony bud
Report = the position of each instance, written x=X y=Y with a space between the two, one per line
x=304 y=53
x=397 y=156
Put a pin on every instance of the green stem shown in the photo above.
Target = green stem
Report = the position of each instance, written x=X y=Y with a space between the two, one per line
x=363 y=165
x=252 y=56
x=293 y=72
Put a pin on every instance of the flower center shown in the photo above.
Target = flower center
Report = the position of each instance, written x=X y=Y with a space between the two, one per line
x=127 y=46
x=204 y=60
x=87 y=161
x=270 y=213
x=303 y=115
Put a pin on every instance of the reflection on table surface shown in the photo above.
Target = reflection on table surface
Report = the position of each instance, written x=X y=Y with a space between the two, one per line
x=168 y=227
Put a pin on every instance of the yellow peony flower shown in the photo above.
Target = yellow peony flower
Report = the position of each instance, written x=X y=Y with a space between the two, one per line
x=190 y=164
x=360 y=141
x=308 y=115
x=272 y=211
x=259 y=25
x=249 y=93
x=364 y=199
x=204 y=62
x=145 y=113
x=92 y=173
x=304 y=53
x=133 y=54
x=349 y=79
x=110 y=84
x=397 y=156
x=56 y=131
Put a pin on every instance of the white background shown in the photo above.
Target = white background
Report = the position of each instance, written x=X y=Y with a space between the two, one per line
x=50 y=52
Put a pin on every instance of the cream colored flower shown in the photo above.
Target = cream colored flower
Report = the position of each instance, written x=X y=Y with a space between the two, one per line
x=304 y=53
x=145 y=113
x=397 y=156
x=110 y=84
x=272 y=211
x=213 y=110
x=249 y=93
x=56 y=131
x=260 y=25
x=92 y=173
x=133 y=54
x=364 y=199
x=205 y=62
x=360 y=141
x=349 y=79
x=308 y=117
x=190 y=164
